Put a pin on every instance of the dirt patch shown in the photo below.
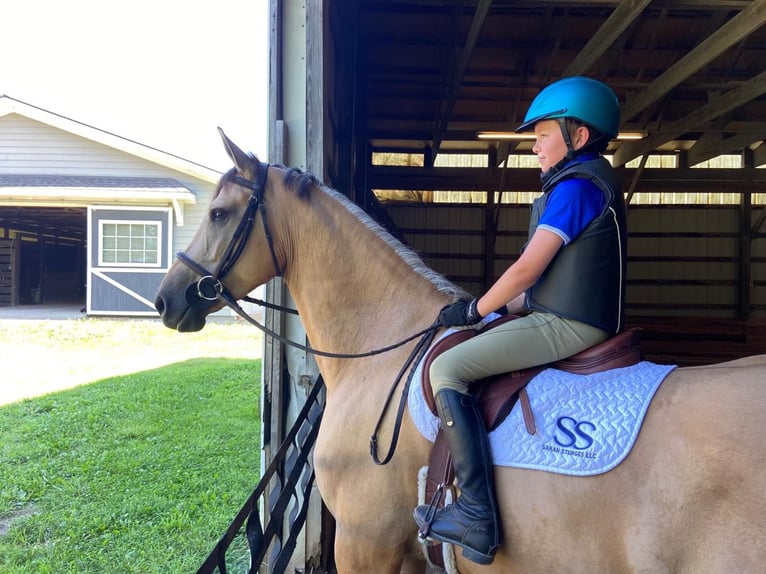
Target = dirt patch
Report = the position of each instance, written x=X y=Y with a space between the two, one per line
x=7 y=521
x=40 y=357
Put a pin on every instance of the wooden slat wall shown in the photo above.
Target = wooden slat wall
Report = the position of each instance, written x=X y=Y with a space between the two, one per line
x=8 y=294
x=684 y=270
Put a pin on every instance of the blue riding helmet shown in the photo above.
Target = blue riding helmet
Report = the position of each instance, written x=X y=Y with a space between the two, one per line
x=584 y=99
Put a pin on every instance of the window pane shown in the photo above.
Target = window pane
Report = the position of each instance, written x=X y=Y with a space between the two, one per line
x=129 y=244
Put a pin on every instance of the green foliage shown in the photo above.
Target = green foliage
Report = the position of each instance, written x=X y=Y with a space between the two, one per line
x=132 y=474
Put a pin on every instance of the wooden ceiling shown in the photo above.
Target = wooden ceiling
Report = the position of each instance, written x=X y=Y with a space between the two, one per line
x=690 y=74
x=67 y=224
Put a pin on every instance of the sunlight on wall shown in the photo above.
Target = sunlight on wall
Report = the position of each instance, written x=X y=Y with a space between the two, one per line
x=527 y=161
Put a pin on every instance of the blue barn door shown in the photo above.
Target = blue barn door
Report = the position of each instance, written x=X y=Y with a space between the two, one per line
x=129 y=252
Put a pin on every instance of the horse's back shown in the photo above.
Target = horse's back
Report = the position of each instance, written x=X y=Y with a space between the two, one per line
x=704 y=433
x=690 y=497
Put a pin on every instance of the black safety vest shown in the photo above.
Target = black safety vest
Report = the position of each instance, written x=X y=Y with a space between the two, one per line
x=585 y=281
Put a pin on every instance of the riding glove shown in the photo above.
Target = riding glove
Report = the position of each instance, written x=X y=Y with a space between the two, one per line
x=460 y=313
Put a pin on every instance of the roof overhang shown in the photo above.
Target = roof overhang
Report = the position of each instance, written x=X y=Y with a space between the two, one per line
x=60 y=190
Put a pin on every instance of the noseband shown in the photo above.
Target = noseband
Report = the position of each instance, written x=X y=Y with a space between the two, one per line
x=210 y=285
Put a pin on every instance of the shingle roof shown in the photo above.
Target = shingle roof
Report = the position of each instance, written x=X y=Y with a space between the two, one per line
x=75 y=182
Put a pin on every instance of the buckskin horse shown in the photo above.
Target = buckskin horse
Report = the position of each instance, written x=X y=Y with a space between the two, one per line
x=689 y=498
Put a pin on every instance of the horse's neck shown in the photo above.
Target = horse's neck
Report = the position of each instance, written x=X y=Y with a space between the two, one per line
x=354 y=292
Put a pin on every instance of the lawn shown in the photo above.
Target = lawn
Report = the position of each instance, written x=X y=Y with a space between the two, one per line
x=136 y=473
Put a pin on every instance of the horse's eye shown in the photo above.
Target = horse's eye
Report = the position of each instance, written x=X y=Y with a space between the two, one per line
x=218 y=214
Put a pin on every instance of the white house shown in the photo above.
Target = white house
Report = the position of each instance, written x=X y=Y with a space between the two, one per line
x=87 y=216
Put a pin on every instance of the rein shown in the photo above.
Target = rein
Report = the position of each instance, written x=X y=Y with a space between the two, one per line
x=210 y=288
x=426 y=338
x=411 y=363
x=232 y=303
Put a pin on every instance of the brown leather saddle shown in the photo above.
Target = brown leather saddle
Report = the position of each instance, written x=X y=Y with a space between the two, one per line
x=497 y=395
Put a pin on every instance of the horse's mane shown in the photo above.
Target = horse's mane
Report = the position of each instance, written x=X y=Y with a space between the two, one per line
x=302 y=183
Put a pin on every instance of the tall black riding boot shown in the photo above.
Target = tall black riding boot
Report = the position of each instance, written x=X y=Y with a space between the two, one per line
x=472 y=522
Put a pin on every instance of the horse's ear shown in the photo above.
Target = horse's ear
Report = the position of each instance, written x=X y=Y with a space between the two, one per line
x=242 y=161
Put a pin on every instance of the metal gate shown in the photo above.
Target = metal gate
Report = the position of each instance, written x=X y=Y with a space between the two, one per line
x=288 y=481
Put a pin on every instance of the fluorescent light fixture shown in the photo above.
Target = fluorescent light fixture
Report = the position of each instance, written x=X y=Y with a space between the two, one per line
x=501 y=136
x=504 y=136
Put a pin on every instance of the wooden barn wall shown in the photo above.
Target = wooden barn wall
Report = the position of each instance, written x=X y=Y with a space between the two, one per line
x=683 y=261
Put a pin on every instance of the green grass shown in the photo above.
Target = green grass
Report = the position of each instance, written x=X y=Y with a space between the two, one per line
x=133 y=474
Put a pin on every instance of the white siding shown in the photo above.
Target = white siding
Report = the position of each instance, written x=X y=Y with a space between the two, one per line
x=31 y=147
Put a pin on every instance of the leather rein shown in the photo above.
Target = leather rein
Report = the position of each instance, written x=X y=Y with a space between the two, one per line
x=210 y=288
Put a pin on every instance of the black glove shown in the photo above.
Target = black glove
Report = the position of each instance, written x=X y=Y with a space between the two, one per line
x=460 y=313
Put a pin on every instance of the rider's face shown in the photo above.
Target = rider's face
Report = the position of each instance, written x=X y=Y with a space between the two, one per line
x=549 y=144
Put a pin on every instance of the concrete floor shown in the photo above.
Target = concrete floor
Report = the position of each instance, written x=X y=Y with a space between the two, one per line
x=53 y=312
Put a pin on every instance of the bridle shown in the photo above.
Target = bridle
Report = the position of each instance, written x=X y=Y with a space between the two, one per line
x=210 y=288
x=210 y=285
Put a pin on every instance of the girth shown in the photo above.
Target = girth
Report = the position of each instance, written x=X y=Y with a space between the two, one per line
x=497 y=395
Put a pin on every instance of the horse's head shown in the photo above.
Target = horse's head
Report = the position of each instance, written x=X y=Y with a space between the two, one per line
x=231 y=252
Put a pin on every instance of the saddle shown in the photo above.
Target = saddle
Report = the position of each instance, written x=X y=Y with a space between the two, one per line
x=497 y=395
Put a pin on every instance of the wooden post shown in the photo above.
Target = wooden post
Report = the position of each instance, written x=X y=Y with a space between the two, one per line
x=745 y=239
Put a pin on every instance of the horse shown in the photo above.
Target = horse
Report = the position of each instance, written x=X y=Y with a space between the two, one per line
x=689 y=498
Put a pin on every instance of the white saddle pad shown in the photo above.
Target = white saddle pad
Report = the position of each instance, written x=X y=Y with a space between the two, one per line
x=586 y=424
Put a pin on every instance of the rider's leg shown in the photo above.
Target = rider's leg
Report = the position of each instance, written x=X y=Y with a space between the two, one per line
x=473 y=522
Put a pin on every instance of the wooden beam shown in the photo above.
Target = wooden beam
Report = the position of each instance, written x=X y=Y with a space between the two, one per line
x=482 y=9
x=746 y=92
x=745 y=255
x=622 y=17
x=759 y=154
x=758 y=221
x=528 y=179
x=735 y=30
x=636 y=178
x=700 y=4
x=711 y=145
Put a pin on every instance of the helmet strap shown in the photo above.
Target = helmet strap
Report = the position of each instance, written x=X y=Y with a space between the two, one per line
x=567 y=139
x=571 y=153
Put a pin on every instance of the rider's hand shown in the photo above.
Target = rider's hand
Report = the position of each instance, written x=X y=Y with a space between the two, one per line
x=460 y=313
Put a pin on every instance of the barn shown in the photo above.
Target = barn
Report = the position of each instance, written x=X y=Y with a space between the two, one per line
x=409 y=108
x=87 y=217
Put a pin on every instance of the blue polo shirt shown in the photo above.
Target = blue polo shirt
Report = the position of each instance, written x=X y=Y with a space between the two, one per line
x=571 y=206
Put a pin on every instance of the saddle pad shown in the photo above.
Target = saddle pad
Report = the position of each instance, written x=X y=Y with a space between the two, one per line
x=586 y=424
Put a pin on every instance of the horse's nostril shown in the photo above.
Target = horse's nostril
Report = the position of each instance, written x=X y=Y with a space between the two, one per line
x=159 y=304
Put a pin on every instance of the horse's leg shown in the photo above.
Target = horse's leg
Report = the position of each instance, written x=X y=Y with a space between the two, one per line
x=354 y=553
x=381 y=538
x=372 y=504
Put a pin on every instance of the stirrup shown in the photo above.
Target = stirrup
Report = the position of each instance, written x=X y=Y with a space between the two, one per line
x=433 y=508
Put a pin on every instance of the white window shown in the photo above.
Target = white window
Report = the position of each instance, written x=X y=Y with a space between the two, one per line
x=130 y=244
